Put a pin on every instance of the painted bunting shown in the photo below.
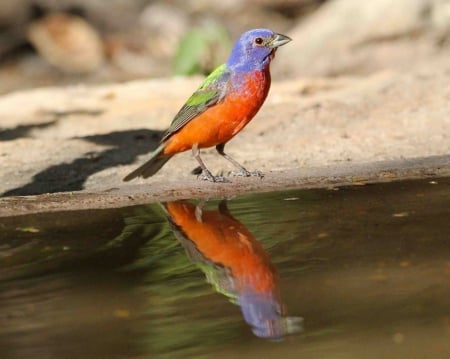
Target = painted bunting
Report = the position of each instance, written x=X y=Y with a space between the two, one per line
x=235 y=263
x=226 y=101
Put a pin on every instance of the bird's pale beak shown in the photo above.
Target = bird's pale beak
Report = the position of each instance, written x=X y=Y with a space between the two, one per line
x=279 y=40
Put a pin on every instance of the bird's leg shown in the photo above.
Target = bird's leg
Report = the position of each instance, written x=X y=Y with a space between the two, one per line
x=206 y=174
x=220 y=149
x=199 y=211
x=242 y=170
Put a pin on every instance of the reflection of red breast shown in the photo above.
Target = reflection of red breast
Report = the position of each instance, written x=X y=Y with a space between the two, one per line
x=219 y=123
x=225 y=241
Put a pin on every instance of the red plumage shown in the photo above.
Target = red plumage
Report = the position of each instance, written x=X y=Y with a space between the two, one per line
x=219 y=123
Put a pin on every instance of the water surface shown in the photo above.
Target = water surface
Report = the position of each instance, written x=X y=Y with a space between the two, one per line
x=351 y=272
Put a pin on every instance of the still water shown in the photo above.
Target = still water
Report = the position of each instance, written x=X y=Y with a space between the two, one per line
x=349 y=272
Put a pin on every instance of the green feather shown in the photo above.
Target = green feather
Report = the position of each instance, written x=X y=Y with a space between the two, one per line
x=215 y=76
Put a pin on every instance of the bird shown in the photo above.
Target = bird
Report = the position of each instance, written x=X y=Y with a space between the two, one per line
x=235 y=263
x=221 y=107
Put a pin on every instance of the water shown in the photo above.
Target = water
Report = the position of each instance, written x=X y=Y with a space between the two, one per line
x=335 y=273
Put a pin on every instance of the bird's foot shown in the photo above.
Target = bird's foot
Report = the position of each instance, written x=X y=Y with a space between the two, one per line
x=208 y=176
x=245 y=173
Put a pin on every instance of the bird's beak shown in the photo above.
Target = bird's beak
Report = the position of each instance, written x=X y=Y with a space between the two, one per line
x=279 y=40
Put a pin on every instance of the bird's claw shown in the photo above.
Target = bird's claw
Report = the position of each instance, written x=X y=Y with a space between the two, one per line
x=245 y=173
x=207 y=176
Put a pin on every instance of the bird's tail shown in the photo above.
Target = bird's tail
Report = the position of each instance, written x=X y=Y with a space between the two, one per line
x=150 y=167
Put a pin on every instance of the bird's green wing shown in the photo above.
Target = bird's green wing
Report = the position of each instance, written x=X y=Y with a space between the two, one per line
x=211 y=92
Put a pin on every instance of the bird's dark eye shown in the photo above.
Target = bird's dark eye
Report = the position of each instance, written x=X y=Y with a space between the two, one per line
x=259 y=41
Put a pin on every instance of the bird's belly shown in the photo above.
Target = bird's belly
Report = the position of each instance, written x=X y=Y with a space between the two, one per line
x=220 y=123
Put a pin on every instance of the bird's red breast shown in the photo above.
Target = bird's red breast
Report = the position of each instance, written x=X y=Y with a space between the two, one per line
x=219 y=123
x=225 y=241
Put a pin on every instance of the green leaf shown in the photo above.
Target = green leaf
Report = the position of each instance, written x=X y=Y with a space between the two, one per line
x=201 y=50
x=190 y=50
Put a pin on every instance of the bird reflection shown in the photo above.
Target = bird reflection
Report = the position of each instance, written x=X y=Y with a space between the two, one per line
x=235 y=263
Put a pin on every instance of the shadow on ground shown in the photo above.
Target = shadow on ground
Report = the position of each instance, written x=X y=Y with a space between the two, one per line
x=126 y=146
x=22 y=130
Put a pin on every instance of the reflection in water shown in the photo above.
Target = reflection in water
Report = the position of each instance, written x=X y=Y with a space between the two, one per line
x=373 y=263
x=235 y=263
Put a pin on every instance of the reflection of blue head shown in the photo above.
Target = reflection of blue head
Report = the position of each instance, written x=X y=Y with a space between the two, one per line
x=264 y=314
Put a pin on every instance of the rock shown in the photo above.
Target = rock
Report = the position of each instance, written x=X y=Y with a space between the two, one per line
x=165 y=25
x=13 y=17
x=111 y=16
x=12 y=12
x=67 y=42
x=344 y=37
x=440 y=19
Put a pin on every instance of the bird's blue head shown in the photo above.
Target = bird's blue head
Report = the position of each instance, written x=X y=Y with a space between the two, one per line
x=255 y=49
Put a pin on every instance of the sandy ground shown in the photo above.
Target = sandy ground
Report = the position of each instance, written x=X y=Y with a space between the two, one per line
x=81 y=141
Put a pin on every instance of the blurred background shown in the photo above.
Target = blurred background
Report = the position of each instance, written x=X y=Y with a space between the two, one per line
x=52 y=42
x=58 y=42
